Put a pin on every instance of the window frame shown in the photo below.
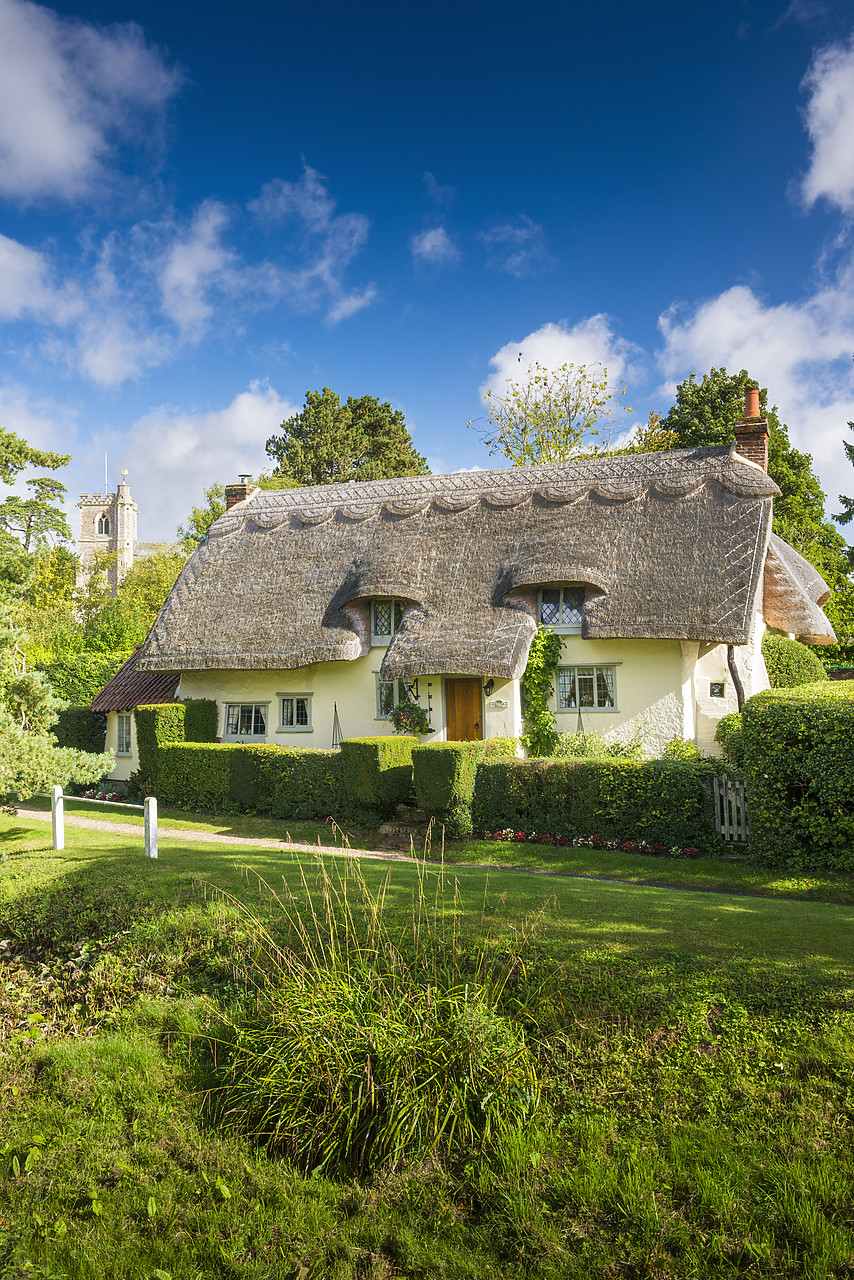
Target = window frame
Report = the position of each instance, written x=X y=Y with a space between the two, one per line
x=103 y=526
x=395 y=603
x=127 y=750
x=246 y=737
x=402 y=688
x=562 y=628
x=295 y=728
x=595 y=667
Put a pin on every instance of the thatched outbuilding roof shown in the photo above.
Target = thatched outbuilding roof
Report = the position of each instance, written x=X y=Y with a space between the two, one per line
x=669 y=545
x=130 y=687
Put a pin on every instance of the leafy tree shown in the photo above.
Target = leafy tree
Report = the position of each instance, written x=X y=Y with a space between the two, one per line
x=201 y=518
x=552 y=414
x=847 y=513
x=331 y=443
x=37 y=518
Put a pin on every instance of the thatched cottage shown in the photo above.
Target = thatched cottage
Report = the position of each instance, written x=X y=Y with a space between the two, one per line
x=307 y=613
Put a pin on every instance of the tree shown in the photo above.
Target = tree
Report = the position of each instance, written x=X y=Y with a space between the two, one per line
x=705 y=414
x=37 y=518
x=551 y=415
x=846 y=515
x=200 y=519
x=331 y=443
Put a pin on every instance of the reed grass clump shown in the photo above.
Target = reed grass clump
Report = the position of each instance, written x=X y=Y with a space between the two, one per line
x=363 y=1045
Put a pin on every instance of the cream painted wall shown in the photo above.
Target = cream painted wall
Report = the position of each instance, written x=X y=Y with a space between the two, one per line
x=712 y=666
x=124 y=766
x=649 y=687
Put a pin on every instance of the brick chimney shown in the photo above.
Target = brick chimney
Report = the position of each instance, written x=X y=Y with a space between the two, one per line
x=235 y=493
x=751 y=430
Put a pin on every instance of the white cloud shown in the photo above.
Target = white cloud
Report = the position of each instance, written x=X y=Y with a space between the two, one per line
x=591 y=341
x=830 y=123
x=434 y=246
x=325 y=245
x=800 y=350
x=69 y=92
x=172 y=455
x=518 y=248
x=192 y=264
x=437 y=193
x=26 y=288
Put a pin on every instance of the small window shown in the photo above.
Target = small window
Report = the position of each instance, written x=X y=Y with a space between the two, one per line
x=587 y=689
x=386 y=617
x=123 y=747
x=245 y=720
x=562 y=607
x=104 y=525
x=389 y=694
x=295 y=713
x=717 y=689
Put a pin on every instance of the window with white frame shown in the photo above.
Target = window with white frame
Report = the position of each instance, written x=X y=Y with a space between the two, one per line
x=244 y=721
x=123 y=747
x=295 y=713
x=386 y=617
x=562 y=608
x=587 y=688
x=389 y=694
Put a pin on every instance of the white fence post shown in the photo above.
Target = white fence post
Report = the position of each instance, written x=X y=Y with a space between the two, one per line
x=150 y=808
x=57 y=820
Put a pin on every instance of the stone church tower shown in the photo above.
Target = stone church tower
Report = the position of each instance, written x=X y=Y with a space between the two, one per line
x=107 y=523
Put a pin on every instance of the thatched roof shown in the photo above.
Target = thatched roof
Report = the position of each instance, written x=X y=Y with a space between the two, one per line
x=794 y=592
x=130 y=687
x=670 y=545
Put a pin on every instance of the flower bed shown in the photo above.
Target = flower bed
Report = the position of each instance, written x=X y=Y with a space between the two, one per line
x=652 y=850
x=101 y=795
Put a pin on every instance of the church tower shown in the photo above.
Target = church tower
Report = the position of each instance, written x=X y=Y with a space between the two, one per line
x=107 y=523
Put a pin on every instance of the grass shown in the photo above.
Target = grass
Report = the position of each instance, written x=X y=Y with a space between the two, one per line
x=694 y=1052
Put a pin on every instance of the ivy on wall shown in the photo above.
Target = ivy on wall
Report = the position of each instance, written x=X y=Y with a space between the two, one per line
x=538 y=684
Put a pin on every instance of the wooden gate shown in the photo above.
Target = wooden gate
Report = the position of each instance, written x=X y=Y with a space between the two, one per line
x=730 y=809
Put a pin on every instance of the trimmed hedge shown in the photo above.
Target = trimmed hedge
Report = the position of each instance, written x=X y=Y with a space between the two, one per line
x=444 y=775
x=790 y=663
x=82 y=729
x=201 y=720
x=377 y=772
x=283 y=782
x=729 y=736
x=799 y=762
x=81 y=677
x=157 y=726
x=647 y=800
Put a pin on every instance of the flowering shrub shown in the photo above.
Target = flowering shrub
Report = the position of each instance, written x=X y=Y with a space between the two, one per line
x=101 y=795
x=653 y=849
x=409 y=717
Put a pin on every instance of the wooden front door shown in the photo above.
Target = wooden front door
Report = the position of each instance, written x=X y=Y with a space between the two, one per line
x=463 y=702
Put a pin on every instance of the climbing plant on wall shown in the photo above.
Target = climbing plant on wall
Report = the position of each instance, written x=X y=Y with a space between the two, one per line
x=538 y=685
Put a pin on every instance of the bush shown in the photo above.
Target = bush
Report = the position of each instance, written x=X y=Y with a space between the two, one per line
x=729 y=736
x=789 y=663
x=799 y=762
x=284 y=782
x=444 y=774
x=377 y=772
x=656 y=801
x=78 y=679
x=201 y=720
x=593 y=745
x=82 y=729
x=157 y=726
x=196 y=776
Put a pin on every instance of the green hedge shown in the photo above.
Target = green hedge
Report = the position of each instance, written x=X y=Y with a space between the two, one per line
x=201 y=720
x=652 y=800
x=444 y=774
x=790 y=663
x=80 y=678
x=284 y=782
x=157 y=726
x=377 y=772
x=82 y=729
x=799 y=762
x=729 y=736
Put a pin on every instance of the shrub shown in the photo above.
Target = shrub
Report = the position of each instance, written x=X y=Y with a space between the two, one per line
x=201 y=720
x=377 y=772
x=729 y=736
x=593 y=745
x=157 y=726
x=80 y=677
x=196 y=775
x=655 y=801
x=799 y=761
x=789 y=663
x=284 y=782
x=679 y=748
x=444 y=774
x=82 y=729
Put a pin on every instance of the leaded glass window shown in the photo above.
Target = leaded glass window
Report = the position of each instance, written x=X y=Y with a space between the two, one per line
x=587 y=688
x=389 y=694
x=386 y=617
x=562 y=607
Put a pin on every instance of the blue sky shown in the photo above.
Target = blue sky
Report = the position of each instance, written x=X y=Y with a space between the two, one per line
x=207 y=211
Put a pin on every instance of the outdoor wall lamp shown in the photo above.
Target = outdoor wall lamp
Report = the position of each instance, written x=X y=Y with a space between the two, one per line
x=488 y=687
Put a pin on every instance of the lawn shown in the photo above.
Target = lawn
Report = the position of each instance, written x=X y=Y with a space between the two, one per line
x=694 y=1052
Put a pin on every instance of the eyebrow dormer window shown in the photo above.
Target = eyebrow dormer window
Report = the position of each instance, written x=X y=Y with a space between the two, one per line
x=562 y=607
x=386 y=617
